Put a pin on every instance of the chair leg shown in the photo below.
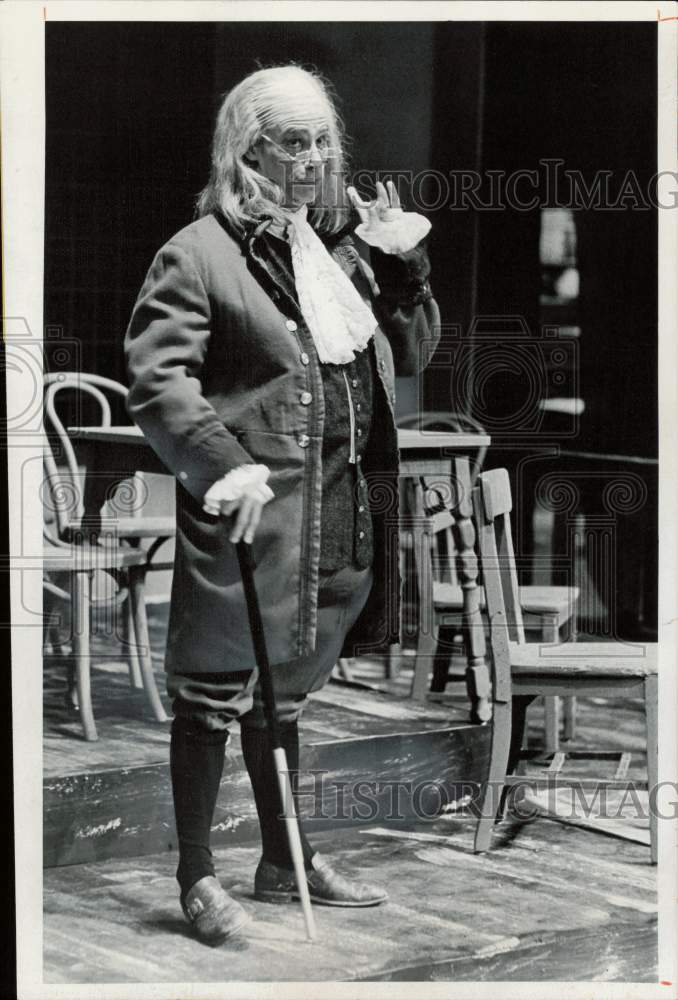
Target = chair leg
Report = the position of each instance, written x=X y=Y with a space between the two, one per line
x=569 y=717
x=550 y=633
x=343 y=667
x=442 y=658
x=81 y=652
x=496 y=777
x=136 y=593
x=130 y=642
x=50 y=630
x=393 y=658
x=651 y=717
x=551 y=723
x=426 y=647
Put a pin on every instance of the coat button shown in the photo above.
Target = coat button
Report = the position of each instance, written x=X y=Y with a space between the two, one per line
x=304 y=358
x=303 y=440
x=361 y=534
x=357 y=406
x=183 y=475
x=382 y=364
x=361 y=509
x=291 y=325
x=305 y=398
x=359 y=433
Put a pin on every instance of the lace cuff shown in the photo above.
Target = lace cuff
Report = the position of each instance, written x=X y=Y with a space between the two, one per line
x=398 y=233
x=247 y=480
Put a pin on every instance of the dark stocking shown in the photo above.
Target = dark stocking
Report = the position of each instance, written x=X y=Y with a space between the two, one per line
x=196 y=763
x=258 y=756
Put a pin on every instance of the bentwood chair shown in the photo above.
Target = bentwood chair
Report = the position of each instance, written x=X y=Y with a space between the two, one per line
x=520 y=669
x=133 y=524
x=68 y=574
x=90 y=392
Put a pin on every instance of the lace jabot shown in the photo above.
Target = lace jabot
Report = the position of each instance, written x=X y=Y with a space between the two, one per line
x=338 y=319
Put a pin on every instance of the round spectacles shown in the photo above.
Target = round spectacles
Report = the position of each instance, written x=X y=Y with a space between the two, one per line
x=322 y=144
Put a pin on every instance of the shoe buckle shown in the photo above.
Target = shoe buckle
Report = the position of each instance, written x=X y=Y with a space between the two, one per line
x=194 y=908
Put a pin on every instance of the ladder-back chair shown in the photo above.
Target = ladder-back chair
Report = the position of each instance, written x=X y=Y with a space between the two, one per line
x=520 y=669
x=547 y=610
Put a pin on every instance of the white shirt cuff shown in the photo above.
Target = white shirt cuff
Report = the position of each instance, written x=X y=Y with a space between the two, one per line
x=246 y=480
x=400 y=232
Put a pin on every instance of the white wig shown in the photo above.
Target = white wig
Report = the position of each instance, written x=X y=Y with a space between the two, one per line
x=281 y=95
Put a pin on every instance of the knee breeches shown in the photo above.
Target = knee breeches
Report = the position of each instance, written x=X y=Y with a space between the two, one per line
x=215 y=700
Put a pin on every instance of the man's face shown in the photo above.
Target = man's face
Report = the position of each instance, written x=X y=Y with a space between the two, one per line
x=293 y=155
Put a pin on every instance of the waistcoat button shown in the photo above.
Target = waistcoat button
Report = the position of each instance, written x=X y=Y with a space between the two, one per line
x=354 y=383
x=305 y=398
x=291 y=325
x=382 y=364
x=304 y=358
x=303 y=440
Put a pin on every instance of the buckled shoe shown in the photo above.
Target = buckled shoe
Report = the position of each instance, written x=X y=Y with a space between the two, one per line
x=278 y=885
x=213 y=914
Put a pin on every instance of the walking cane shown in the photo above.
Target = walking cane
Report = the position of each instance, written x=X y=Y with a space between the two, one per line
x=279 y=756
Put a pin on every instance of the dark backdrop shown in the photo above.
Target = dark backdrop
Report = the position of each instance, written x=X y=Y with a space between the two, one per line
x=130 y=109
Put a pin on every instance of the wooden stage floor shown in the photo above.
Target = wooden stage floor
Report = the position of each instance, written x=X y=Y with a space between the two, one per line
x=551 y=902
x=554 y=900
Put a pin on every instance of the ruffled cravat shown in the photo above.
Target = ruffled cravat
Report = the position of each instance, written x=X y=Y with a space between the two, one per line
x=340 y=323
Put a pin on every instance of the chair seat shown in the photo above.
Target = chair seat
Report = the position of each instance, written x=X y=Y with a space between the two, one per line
x=572 y=659
x=535 y=600
x=140 y=527
x=90 y=558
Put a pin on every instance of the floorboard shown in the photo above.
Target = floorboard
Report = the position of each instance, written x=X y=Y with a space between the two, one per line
x=549 y=903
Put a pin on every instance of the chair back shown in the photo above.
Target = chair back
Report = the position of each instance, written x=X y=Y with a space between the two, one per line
x=65 y=482
x=435 y=499
x=433 y=549
x=492 y=507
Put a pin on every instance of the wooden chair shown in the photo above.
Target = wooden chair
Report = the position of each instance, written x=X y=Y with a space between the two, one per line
x=80 y=563
x=66 y=480
x=132 y=526
x=431 y=420
x=547 y=610
x=520 y=669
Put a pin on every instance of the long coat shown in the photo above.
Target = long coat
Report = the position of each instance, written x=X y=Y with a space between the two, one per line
x=218 y=359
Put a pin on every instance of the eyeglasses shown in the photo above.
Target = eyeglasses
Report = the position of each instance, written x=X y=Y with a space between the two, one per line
x=322 y=144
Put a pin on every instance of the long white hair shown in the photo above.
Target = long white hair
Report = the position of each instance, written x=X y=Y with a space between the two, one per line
x=235 y=186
